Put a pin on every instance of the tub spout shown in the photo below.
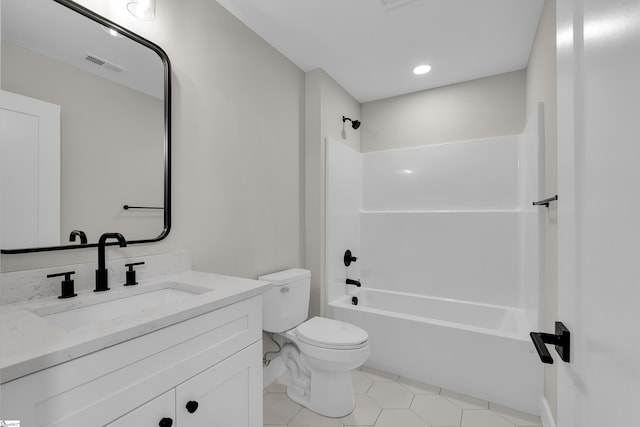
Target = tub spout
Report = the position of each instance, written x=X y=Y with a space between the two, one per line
x=353 y=282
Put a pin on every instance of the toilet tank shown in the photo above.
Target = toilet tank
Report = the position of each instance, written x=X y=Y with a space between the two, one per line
x=286 y=305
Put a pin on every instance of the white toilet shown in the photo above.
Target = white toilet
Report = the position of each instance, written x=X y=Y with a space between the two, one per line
x=319 y=353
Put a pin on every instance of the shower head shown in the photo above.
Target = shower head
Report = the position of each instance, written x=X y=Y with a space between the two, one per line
x=354 y=123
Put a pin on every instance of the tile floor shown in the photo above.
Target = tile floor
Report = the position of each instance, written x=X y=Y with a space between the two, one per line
x=385 y=400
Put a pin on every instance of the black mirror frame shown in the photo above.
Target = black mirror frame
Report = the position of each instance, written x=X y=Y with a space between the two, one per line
x=167 y=130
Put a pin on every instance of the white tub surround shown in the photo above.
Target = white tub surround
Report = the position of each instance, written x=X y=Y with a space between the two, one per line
x=449 y=223
x=452 y=220
x=31 y=343
x=476 y=349
x=470 y=255
x=457 y=176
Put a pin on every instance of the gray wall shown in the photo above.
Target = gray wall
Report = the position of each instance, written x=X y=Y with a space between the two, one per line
x=238 y=117
x=491 y=106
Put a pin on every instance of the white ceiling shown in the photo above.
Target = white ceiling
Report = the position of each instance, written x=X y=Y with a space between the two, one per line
x=371 y=49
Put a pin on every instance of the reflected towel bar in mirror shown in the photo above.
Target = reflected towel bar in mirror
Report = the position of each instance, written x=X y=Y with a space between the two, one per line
x=127 y=207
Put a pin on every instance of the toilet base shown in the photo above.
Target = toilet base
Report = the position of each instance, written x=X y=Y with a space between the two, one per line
x=325 y=392
x=331 y=394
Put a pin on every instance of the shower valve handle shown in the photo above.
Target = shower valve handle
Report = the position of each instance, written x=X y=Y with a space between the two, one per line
x=349 y=258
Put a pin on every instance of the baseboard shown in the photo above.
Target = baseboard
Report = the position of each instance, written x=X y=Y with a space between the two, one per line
x=545 y=414
x=273 y=371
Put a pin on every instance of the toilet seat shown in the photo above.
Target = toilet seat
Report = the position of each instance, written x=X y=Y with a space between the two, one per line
x=331 y=334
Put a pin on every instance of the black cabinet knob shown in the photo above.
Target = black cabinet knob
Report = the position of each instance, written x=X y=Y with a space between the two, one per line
x=165 y=422
x=192 y=406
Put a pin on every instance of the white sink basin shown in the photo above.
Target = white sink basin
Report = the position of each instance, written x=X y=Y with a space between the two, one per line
x=115 y=303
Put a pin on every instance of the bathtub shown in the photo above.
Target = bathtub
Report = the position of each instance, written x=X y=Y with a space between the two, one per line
x=480 y=350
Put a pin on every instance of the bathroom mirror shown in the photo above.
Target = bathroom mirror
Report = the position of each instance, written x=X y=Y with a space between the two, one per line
x=85 y=128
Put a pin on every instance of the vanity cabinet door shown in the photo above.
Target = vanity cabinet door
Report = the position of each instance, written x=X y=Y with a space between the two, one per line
x=158 y=412
x=228 y=394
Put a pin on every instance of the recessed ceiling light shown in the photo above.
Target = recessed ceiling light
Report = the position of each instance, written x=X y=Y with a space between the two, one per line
x=422 y=69
x=111 y=31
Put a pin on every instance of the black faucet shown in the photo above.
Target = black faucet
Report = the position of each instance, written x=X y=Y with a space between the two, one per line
x=102 y=274
x=78 y=233
x=353 y=282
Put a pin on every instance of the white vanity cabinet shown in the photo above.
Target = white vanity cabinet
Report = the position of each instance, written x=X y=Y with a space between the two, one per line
x=220 y=396
x=159 y=412
x=222 y=393
x=214 y=359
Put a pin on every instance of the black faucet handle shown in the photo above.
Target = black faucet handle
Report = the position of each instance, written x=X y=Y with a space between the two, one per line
x=131 y=264
x=67 y=290
x=66 y=274
x=131 y=273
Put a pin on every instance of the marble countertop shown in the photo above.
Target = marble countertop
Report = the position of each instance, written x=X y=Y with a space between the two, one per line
x=29 y=342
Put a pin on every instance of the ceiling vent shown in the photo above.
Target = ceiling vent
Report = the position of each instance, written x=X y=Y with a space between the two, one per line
x=391 y=4
x=103 y=63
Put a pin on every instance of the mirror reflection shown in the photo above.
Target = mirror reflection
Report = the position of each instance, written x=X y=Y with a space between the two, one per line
x=82 y=121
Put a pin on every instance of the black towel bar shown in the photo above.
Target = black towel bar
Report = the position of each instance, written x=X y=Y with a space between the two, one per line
x=545 y=202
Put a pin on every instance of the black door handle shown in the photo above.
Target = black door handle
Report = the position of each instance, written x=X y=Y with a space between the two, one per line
x=561 y=339
x=165 y=422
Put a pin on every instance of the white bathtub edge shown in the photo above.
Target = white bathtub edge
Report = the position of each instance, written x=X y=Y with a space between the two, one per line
x=545 y=414
x=522 y=334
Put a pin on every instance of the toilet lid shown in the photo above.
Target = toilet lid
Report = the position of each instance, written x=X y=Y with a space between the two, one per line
x=331 y=333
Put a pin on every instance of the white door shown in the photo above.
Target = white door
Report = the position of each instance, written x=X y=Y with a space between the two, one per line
x=599 y=211
x=29 y=172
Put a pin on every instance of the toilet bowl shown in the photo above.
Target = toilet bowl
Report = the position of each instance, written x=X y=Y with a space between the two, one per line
x=319 y=353
x=320 y=363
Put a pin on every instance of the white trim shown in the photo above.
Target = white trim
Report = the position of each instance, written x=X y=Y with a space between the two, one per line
x=545 y=414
